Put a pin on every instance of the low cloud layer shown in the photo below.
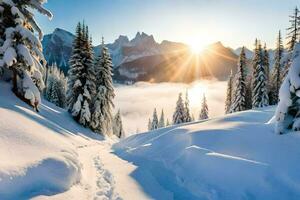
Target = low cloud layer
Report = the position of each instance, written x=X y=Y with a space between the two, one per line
x=138 y=101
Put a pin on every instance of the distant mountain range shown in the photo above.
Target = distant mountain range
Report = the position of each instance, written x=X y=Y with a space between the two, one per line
x=143 y=59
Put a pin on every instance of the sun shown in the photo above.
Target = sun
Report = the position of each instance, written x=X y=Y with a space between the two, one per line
x=196 y=48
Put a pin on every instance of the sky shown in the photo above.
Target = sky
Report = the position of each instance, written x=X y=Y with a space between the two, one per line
x=233 y=22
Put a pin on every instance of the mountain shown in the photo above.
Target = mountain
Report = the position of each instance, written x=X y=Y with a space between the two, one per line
x=248 y=52
x=57 y=48
x=179 y=65
x=144 y=59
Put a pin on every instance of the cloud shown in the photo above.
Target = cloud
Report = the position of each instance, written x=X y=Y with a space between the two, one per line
x=138 y=101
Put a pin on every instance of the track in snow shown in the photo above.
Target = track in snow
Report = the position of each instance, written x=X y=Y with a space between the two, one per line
x=105 y=183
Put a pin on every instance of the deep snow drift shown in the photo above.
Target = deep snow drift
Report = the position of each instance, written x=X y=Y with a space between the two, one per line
x=38 y=150
x=233 y=157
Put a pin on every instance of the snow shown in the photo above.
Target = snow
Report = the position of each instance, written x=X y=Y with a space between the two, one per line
x=47 y=155
x=289 y=97
x=237 y=156
x=10 y=56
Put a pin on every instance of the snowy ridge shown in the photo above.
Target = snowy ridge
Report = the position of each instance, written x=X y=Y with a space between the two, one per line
x=233 y=157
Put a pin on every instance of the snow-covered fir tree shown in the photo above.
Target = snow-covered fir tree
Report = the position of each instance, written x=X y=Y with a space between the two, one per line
x=154 y=124
x=81 y=75
x=260 y=96
x=204 y=109
x=275 y=79
x=266 y=62
x=229 y=95
x=179 y=114
x=188 y=117
x=168 y=123
x=20 y=49
x=293 y=31
x=118 y=125
x=103 y=103
x=161 y=122
x=149 y=126
x=288 y=109
x=292 y=39
x=239 y=101
x=56 y=86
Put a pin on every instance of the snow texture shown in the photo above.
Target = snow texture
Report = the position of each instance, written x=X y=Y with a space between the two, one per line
x=233 y=157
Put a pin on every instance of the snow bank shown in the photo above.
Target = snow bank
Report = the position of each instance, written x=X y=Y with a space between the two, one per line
x=38 y=150
x=234 y=157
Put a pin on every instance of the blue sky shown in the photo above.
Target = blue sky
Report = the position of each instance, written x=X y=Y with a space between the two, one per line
x=234 y=22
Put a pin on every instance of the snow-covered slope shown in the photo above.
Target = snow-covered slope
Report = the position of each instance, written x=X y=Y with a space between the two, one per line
x=38 y=150
x=47 y=155
x=233 y=157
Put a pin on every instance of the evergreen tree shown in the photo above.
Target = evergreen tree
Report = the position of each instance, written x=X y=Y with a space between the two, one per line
x=229 y=93
x=288 y=109
x=75 y=73
x=21 y=50
x=266 y=63
x=260 y=96
x=248 y=91
x=275 y=80
x=168 y=122
x=293 y=30
x=154 y=124
x=186 y=108
x=204 y=109
x=81 y=77
x=118 y=126
x=179 y=114
x=292 y=38
x=56 y=87
x=103 y=103
x=239 y=103
x=161 y=123
x=149 y=124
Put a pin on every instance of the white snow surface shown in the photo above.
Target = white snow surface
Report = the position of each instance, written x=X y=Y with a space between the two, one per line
x=47 y=155
x=237 y=156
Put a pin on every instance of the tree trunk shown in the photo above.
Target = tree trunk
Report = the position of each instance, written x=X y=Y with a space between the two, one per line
x=14 y=80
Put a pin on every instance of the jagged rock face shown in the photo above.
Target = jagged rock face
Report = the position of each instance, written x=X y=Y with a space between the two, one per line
x=143 y=59
x=57 y=48
x=179 y=65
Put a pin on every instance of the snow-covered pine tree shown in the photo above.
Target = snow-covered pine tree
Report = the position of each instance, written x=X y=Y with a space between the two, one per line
x=287 y=114
x=149 y=124
x=292 y=38
x=260 y=96
x=275 y=79
x=179 y=114
x=56 y=86
x=248 y=80
x=118 y=126
x=154 y=124
x=20 y=49
x=204 y=109
x=75 y=75
x=161 y=122
x=81 y=82
x=188 y=117
x=266 y=62
x=229 y=100
x=89 y=86
x=239 y=102
x=103 y=103
x=168 y=122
